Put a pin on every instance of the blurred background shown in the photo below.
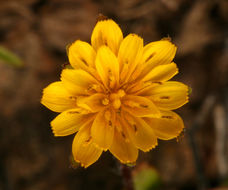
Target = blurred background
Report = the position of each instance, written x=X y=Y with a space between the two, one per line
x=37 y=32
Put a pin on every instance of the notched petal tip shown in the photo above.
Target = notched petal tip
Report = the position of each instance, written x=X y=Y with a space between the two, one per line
x=83 y=149
x=189 y=90
x=101 y=17
x=107 y=32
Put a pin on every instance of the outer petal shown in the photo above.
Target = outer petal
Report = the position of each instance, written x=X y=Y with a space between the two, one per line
x=107 y=32
x=92 y=103
x=125 y=151
x=108 y=67
x=81 y=55
x=57 y=98
x=140 y=106
x=130 y=54
x=102 y=130
x=161 y=73
x=79 y=82
x=68 y=122
x=169 y=126
x=139 y=132
x=169 y=95
x=84 y=151
x=157 y=53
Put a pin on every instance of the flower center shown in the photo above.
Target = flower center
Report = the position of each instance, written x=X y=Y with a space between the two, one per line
x=114 y=99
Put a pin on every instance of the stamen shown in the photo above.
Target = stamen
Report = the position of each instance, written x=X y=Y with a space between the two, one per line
x=116 y=103
x=111 y=80
x=105 y=101
x=121 y=93
x=95 y=87
x=107 y=115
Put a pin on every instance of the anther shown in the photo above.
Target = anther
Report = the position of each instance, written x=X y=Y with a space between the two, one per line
x=105 y=101
x=116 y=103
x=121 y=93
x=107 y=115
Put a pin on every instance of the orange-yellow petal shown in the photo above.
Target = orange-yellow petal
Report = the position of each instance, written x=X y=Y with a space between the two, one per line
x=107 y=32
x=84 y=151
x=93 y=103
x=108 y=67
x=81 y=55
x=69 y=122
x=139 y=132
x=168 y=126
x=140 y=106
x=161 y=73
x=130 y=54
x=57 y=98
x=79 y=82
x=169 y=95
x=124 y=150
x=102 y=130
x=157 y=53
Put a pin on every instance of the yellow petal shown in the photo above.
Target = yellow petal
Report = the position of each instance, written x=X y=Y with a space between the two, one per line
x=107 y=32
x=81 y=55
x=130 y=54
x=93 y=103
x=78 y=82
x=69 y=122
x=108 y=67
x=125 y=151
x=84 y=151
x=139 y=132
x=157 y=53
x=168 y=126
x=162 y=73
x=57 y=98
x=140 y=106
x=102 y=130
x=169 y=95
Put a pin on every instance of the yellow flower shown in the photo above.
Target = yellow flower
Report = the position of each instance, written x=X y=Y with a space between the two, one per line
x=117 y=97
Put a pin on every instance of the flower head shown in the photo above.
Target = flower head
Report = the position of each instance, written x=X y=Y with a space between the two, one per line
x=117 y=96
